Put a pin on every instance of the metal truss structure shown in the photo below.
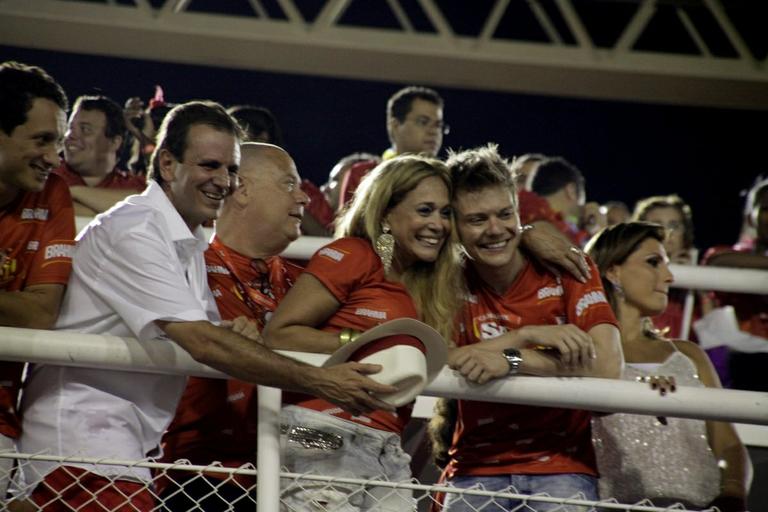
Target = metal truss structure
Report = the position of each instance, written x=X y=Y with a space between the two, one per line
x=688 y=52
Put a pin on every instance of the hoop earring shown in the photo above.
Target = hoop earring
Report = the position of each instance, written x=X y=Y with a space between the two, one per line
x=385 y=247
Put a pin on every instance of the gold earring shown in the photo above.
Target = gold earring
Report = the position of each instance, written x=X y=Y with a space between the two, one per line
x=385 y=247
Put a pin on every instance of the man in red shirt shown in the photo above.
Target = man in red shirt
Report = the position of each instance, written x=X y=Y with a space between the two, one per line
x=216 y=419
x=556 y=192
x=94 y=136
x=747 y=349
x=520 y=318
x=36 y=221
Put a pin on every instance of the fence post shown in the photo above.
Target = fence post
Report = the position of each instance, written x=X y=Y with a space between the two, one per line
x=268 y=446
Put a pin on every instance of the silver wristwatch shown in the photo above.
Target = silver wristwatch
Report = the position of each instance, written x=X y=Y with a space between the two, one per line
x=514 y=359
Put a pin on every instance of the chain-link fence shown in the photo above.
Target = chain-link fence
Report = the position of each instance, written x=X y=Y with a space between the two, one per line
x=182 y=487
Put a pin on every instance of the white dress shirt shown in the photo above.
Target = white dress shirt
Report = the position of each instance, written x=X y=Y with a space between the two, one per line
x=135 y=264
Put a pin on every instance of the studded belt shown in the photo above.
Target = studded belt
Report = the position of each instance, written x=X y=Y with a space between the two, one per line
x=311 y=437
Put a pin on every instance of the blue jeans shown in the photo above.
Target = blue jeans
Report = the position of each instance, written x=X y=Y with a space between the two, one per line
x=567 y=485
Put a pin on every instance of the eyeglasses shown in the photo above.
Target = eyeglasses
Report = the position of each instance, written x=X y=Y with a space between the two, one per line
x=425 y=122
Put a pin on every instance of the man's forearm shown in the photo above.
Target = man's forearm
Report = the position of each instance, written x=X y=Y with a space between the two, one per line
x=739 y=260
x=239 y=357
x=24 y=309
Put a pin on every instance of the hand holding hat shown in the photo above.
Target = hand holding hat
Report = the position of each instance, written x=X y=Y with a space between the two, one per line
x=410 y=352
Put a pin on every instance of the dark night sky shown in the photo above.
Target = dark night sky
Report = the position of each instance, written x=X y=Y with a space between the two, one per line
x=626 y=150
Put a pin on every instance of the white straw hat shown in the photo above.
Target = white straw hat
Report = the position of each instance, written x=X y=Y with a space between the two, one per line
x=407 y=363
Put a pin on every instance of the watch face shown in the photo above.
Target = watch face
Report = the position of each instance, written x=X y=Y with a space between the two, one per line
x=514 y=359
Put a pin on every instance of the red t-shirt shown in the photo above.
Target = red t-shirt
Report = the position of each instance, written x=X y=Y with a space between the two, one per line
x=534 y=208
x=351 y=270
x=217 y=419
x=37 y=232
x=492 y=438
x=353 y=178
x=318 y=206
x=117 y=179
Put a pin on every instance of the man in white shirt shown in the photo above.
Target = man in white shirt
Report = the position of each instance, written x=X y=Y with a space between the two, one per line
x=139 y=271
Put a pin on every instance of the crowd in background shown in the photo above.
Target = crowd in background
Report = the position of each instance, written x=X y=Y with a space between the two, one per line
x=409 y=226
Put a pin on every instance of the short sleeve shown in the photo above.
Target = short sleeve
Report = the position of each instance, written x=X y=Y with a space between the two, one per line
x=52 y=263
x=140 y=278
x=344 y=265
x=586 y=303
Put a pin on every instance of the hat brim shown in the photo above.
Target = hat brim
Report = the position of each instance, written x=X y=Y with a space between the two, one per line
x=436 y=354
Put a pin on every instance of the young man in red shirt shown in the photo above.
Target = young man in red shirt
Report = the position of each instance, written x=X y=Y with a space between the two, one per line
x=520 y=318
x=36 y=221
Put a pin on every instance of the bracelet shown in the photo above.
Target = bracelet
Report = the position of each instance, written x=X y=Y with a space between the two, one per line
x=525 y=227
x=347 y=336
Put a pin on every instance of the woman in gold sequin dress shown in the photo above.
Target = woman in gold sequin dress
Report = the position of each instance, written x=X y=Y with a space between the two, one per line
x=694 y=462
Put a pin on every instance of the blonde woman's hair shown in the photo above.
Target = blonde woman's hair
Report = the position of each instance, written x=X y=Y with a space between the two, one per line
x=434 y=287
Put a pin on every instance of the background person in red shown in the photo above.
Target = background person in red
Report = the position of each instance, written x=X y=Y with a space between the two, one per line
x=675 y=215
x=354 y=283
x=92 y=144
x=520 y=318
x=36 y=221
x=704 y=463
x=216 y=419
x=749 y=343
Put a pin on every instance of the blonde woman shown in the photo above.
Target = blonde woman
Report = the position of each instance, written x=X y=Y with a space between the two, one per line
x=394 y=257
x=667 y=460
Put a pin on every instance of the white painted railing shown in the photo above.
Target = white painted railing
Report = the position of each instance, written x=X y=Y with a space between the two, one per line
x=164 y=356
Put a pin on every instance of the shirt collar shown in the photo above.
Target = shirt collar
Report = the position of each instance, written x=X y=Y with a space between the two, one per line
x=180 y=232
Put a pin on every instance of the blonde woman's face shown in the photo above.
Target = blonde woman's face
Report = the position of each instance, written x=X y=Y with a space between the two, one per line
x=672 y=221
x=645 y=277
x=421 y=222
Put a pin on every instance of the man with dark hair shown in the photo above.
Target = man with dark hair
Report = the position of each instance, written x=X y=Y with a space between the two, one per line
x=36 y=221
x=415 y=121
x=217 y=420
x=91 y=147
x=520 y=318
x=562 y=186
x=139 y=271
x=414 y=125
x=258 y=124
